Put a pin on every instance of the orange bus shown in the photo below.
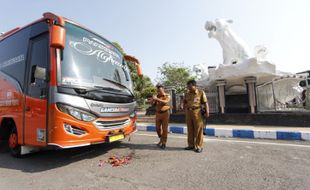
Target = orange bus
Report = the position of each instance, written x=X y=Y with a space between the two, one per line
x=63 y=86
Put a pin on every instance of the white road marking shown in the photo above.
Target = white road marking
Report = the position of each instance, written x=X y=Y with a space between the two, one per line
x=234 y=141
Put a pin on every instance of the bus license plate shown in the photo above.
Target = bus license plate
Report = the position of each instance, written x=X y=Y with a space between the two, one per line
x=116 y=137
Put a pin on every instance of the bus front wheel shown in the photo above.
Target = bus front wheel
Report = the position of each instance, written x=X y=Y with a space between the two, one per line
x=15 y=148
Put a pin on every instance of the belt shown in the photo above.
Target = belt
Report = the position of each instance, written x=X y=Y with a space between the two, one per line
x=162 y=111
x=193 y=108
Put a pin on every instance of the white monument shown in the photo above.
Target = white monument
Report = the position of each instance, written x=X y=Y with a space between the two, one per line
x=238 y=61
x=242 y=69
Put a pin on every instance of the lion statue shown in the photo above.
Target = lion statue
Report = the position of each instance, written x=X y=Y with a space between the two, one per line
x=235 y=50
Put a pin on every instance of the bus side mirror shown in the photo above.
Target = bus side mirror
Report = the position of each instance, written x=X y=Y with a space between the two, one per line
x=38 y=73
x=58 y=35
x=136 y=62
x=139 y=70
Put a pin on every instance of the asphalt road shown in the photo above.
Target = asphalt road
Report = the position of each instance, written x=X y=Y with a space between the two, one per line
x=224 y=164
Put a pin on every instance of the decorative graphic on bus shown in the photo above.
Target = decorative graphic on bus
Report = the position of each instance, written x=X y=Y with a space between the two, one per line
x=8 y=98
x=103 y=54
x=12 y=61
x=113 y=109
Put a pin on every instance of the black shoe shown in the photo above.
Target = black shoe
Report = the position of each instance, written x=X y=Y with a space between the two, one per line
x=163 y=146
x=198 y=150
x=189 y=148
x=159 y=144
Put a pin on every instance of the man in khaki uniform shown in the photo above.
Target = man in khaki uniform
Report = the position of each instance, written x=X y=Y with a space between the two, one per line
x=194 y=100
x=161 y=102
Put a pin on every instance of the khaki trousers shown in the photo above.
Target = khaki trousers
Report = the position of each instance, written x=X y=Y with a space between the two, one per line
x=162 y=121
x=194 y=121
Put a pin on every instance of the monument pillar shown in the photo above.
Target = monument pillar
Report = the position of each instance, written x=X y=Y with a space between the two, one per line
x=251 y=85
x=220 y=84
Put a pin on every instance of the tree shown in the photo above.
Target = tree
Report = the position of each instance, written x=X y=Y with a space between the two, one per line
x=143 y=88
x=142 y=85
x=174 y=75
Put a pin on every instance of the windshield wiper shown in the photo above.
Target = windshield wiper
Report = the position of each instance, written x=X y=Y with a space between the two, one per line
x=96 y=88
x=119 y=84
x=108 y=90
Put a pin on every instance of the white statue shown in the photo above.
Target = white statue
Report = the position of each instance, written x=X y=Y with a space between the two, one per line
x=201 y=71
x=238 y=62
x=235 y=50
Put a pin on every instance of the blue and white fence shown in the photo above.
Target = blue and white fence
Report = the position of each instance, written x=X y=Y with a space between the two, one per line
x=236 y=133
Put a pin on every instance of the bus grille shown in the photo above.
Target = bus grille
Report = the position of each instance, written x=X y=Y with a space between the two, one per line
x=112 y=124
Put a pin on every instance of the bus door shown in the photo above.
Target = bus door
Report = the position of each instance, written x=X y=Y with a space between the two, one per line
x=36 y=91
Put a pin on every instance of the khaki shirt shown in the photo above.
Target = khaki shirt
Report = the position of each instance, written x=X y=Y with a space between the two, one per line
x=162 y=106
x=195 y=99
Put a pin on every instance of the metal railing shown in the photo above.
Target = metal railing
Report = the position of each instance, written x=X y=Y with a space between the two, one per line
x=271 y=95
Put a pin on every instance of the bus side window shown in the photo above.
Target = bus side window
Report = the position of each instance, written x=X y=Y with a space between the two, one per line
x=37 y=88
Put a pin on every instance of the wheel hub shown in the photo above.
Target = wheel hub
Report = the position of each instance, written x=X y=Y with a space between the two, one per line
x=13 y=140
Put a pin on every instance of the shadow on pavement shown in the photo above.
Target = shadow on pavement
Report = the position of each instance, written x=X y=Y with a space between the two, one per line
x=50 y=159
x=149 y=147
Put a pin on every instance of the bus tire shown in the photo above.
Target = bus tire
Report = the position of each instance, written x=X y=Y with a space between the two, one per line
x=14 y=147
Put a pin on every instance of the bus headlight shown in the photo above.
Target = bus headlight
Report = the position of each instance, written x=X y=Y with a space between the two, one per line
x=76 y=113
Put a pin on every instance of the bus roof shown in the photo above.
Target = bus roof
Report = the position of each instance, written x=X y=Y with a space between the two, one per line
x=59 y=21
x=46 y=16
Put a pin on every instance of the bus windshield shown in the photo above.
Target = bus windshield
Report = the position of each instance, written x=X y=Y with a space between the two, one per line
x=89 y=60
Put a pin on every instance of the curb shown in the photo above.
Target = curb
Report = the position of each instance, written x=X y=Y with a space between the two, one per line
x=235 y=133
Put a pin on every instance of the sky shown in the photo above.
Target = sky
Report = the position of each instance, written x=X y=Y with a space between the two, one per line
x=159 y=31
